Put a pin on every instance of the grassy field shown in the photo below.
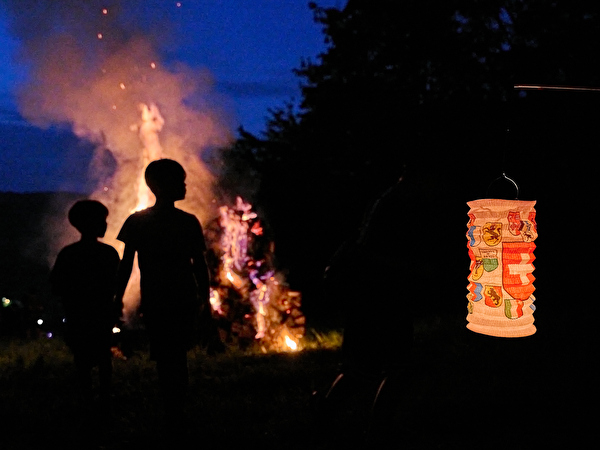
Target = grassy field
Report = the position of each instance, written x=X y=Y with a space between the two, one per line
x=466 y=391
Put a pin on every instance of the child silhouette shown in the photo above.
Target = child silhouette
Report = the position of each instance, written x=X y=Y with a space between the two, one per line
x=84 y=277
x=174 y=278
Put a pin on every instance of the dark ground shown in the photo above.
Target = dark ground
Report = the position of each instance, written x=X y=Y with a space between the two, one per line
x=466 y=391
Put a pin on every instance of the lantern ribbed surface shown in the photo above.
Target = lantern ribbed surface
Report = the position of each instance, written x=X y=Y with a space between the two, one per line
x=500 y=239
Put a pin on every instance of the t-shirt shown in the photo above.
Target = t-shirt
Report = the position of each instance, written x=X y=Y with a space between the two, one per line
x=84 y=276
x=166 y=240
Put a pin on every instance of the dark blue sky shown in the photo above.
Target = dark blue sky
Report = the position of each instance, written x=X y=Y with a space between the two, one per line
x=248 y=47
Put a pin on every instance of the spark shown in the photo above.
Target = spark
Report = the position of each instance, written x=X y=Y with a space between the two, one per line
x=122 y=86
x=99 y=35
x=153 y=65
x=105 y=11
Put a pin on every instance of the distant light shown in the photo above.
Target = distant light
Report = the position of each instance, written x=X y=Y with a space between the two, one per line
x=40 y=321
x=99 y=35
x=153 y=65
x=178 y=4
x=105 y=11
x=6 y=302
x=116 y=330
x=122 y=85
x=49 y=335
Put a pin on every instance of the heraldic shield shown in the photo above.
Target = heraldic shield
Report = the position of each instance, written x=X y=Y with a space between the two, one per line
x=500 y=241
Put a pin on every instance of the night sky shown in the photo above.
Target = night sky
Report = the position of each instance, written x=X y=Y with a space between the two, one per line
x=247 y=49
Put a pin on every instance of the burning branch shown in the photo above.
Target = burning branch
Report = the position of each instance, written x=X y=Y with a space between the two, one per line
x=251 y=299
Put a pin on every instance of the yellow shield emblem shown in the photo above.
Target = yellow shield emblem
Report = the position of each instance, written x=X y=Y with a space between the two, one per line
x=492 y=233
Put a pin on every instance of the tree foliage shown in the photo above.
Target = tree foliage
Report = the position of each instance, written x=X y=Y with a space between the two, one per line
x=417 y=84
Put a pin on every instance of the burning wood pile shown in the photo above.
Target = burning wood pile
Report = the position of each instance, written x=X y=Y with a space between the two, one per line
x=250 y=298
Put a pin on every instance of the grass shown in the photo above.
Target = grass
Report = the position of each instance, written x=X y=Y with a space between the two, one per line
x=464 y=391
x=234 y=398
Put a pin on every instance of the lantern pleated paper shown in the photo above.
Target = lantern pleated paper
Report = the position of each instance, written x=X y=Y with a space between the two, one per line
x=500 y=241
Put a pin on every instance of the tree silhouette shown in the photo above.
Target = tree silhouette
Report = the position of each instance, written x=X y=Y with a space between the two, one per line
x=418 y=84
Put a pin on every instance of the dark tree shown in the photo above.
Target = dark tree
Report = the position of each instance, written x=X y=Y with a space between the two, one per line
x=418 y=85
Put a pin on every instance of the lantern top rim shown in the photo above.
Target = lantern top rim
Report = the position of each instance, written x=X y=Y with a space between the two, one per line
x=500 y=201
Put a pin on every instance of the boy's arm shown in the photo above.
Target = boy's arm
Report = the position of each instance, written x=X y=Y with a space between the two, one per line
x=209 y=333
x=123 y=275
x=202 y=278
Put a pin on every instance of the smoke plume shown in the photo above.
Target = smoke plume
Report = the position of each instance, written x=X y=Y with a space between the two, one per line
x=92 y=68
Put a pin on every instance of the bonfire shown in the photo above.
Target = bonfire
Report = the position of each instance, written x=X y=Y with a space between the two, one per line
x=249 y=297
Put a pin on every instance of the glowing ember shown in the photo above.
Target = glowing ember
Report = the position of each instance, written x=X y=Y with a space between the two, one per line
x=291 y=343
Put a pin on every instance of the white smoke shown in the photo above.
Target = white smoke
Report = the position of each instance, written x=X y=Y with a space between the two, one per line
x=89 y=69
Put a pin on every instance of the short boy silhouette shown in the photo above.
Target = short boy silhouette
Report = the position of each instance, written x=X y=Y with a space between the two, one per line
x=84 y=277
x=174 y=278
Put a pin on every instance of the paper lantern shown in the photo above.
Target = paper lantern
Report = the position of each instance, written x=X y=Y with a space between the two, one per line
x=500 y=241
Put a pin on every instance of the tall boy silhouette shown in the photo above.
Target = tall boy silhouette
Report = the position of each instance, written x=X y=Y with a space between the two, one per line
x=174 y=278
x=84 y=276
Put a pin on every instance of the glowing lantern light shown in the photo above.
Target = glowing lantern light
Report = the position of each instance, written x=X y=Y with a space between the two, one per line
x=500 y=241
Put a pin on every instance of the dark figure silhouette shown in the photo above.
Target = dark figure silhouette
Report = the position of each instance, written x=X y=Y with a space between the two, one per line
x=377 y=278
x=174 y=279
x=84 y=277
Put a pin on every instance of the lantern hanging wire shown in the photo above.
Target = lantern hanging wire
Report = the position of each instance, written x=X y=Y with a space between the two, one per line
x=504 y=177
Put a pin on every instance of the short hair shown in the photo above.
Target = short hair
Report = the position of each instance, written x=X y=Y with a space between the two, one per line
x=163 y=173
x=85 y=215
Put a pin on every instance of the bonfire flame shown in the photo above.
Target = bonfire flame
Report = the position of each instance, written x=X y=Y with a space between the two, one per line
x=291 y=343
x=276 y=321
x=148 y=128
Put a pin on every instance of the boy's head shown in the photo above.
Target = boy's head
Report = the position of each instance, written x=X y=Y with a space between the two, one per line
x=89 y=218
x=166 y=179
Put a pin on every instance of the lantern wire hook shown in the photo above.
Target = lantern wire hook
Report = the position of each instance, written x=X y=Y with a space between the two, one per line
x=504 y=177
